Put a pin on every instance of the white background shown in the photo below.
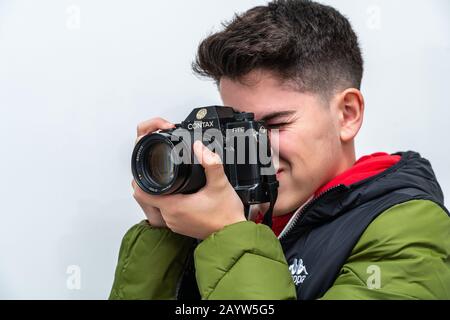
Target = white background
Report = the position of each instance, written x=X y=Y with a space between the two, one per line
x=73 y=90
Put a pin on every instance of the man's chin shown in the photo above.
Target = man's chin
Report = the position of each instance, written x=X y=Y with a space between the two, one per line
x=286 y=206
x=281 y=208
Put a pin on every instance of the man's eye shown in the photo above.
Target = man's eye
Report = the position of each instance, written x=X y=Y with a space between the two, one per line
x=275 y=125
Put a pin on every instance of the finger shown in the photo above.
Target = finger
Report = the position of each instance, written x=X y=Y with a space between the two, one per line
x=150 y=199
x=139 y=138
x=211 y=162
x=138 y=193
x=153 y=125
x=156 y=200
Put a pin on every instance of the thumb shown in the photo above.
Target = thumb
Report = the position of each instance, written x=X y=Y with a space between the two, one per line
x=211 y=162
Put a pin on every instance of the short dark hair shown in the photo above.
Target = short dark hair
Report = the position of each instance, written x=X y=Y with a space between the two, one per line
x=301 y=41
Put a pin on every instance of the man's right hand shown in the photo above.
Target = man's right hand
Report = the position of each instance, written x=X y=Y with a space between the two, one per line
x=152 y=213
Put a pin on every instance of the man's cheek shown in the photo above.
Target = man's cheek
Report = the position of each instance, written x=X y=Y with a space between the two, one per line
x=286 y=146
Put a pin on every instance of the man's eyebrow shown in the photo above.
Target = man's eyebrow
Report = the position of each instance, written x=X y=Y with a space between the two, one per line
x=277 y=114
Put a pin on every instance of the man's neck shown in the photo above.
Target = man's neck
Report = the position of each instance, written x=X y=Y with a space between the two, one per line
x=348 y=158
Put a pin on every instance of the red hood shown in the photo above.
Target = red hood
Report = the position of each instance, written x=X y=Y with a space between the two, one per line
x=364 y=168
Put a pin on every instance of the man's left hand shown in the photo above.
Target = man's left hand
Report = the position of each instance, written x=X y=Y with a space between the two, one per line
x=207 y=211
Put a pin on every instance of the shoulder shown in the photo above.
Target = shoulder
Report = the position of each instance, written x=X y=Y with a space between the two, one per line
x=419 y=224
x=406 y=250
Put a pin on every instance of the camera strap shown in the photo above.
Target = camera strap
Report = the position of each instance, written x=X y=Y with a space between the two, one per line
x=273 y=194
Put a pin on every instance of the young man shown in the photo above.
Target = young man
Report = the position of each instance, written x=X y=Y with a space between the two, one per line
x=375 y=228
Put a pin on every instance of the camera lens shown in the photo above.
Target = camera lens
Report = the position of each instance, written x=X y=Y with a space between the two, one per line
x=159 y=167
x=160 y=164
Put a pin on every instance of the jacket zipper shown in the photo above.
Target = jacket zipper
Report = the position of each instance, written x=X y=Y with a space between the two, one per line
x=299 y=217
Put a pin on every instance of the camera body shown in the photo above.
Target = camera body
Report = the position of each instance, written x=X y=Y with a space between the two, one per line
x=164 y=163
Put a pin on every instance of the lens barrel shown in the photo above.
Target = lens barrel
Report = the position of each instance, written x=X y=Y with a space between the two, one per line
x=159 y=168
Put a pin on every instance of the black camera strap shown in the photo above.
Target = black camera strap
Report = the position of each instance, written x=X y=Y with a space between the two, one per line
x=273 y=194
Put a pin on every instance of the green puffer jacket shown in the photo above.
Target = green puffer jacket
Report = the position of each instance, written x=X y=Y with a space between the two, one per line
x=246 y=261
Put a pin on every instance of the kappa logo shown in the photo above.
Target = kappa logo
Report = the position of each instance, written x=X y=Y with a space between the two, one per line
x=298 y=271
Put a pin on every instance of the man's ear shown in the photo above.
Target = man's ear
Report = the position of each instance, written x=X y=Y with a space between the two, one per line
x=350 y=108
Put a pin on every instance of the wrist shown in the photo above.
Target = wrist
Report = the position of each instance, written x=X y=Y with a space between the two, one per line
x=233 y=220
